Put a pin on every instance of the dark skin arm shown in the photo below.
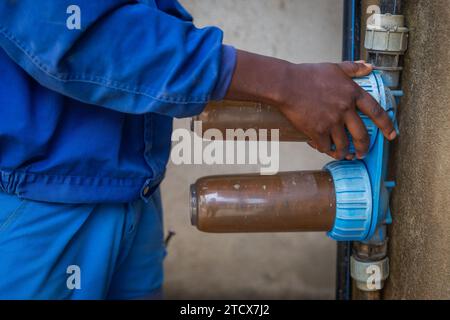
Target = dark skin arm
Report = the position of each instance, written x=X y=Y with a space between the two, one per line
x=321 y=100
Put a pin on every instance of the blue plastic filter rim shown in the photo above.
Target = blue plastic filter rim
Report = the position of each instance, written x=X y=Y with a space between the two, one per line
x=353 y=200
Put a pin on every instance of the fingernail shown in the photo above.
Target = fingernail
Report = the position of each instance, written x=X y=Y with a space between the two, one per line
x=361 y=157
x=368 y=65
x=393 y=135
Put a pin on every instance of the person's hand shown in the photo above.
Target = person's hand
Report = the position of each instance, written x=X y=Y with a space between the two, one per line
x=321 y=100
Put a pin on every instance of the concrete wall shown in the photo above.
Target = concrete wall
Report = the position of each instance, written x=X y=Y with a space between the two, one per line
x=269 y=265
x=420 y=236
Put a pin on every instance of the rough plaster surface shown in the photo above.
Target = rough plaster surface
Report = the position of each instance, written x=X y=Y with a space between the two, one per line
x=255 y=266
x=420 y=236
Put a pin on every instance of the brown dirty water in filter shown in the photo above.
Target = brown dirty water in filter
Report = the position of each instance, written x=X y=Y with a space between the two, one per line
x=286 y=202
x=245 y=115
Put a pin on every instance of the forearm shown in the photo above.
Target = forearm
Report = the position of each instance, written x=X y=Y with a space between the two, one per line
x=257 y=78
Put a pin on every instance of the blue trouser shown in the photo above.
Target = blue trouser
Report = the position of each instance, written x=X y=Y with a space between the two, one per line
x=90 y=251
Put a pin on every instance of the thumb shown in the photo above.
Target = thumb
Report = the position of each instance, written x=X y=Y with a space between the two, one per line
x=356 y=69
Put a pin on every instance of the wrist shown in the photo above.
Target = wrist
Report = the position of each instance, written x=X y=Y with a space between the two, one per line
x=277 y=93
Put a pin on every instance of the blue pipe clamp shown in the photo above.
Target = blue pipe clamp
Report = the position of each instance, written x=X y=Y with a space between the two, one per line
x=361 y=186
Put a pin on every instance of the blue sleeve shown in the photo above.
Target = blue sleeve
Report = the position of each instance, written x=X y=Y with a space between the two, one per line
x=127 y=56
x=228 y=63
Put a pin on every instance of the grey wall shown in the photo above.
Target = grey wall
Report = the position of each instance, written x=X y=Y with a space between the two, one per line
x=420 y=237
x=268 y=265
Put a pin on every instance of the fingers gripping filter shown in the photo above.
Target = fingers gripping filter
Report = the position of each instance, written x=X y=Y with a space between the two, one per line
x=370 y=85
x=353 y=201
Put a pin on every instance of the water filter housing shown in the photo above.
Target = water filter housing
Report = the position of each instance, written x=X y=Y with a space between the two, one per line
x=362 y=189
